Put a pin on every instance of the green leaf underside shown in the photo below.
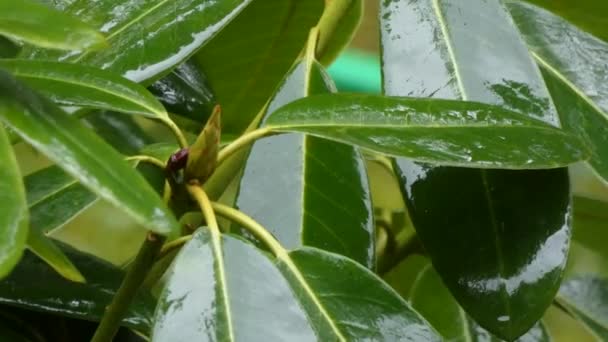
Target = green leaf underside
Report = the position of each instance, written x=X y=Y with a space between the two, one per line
x=83 y=155
x=446 y=132
x=145 y=42
x=83 y=86
x=14 y=217
x=574 y=68
x=344 y=32
x=432 y=299
x=320 y=185
x=35 y=286
x=247 y=60
x=469 y=220
x=39 y=25
x=306 y=295
x=586 y=297
x=54 y=198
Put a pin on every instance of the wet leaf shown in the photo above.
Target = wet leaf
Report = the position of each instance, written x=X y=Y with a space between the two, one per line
x=244 y=72
x=83 y=155
x=574 y=66
x=586 y=297
x=145 y=42
x=185 y=92
x=14 y=218
x=321 y=186
x=498 y=239
x=447 y=132
x=202 y=155
x=83 y=86
x=40 y=25
x=35 y=286
x=308 y=295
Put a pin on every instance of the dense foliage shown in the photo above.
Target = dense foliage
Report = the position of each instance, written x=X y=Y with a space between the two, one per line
x=203 y=179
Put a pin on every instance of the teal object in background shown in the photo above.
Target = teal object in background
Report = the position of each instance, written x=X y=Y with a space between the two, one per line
x=357 y=71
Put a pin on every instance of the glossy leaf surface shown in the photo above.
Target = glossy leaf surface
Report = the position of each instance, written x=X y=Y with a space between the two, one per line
x=82 y=86
x=589 y=15
x=498 y=239
x=586 y=297
x=35 y=286
x=446 y=132
x=308 y=295
x=185 y=92
x=320 y=185
x=83 y=155
x=248 y=59
x=432 y=299
x=575 y=70
x=14 y=217
x=36 y=24
x=54 y=198
x=145 y=41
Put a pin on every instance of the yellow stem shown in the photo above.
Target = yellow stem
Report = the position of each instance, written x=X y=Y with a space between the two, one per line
x=171 y=246
x=241 y=142
x=147 y=159
x=181 y=140
x=205 y=204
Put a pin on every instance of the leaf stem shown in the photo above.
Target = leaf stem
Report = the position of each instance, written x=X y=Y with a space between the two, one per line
x=181 y=139
x=252 y=226
x=173 y=245
x=128 y=289
x=205 y=204
x=242 y=141
x=328 y=24
x=146 y=159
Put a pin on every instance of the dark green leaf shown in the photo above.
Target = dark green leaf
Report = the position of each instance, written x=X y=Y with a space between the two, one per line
x=586 y=297
x=320 y=185
x=35 y=286
x=447 y=132
x=498 y=239
x=185 y=92
x=590 y=15
x=147 y=38
x=248 y=59
x=82 y=154
x=83 y=86
x=575 y=71
x=39 y=25
x=308 y=295
x=54 y=198
x=120 y=131
x=8 y=49
x=14 y=217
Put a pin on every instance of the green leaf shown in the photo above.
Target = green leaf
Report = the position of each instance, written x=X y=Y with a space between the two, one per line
x=590 y=15
x=344 y=16
x=498 y=238
x=447 y=132
x=120 y=131
x=39 y=25
x=147 y=38
x=586 y=298
x=85 y=156
x=244 y=71
x=83 y=86
x=8 y=49
x=34 y=286
x=14 y=218
x=185 y=92
x=320 y=185
x=575 y=72
x=432 y=299
x=308 y=295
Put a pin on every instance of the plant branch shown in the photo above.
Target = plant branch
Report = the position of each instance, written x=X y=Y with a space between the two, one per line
x=181 y=140
x=128 y=289
x=241 y=142
x=146 y=159
x=252 y=226
x=205 y=204
x=173 y=245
